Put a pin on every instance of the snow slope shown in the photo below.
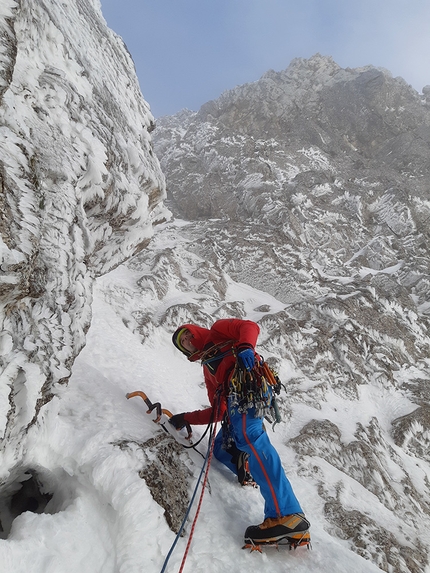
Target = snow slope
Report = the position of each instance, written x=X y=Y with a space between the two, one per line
x=89 y=451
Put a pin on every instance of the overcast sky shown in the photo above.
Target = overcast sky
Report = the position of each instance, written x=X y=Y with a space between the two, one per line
x=188 y=52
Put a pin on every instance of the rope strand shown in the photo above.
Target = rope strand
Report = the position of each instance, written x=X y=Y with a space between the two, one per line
x=206 y=465
x=186 y=514
x=210 y=450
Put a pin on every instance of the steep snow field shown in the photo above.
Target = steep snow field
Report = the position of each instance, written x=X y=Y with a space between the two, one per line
x=102 y=515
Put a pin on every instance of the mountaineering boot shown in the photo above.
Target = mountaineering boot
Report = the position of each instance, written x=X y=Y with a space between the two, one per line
x=243 y=474
x=293 y=529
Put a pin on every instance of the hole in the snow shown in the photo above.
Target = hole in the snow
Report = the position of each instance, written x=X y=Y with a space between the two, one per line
x=25 y=493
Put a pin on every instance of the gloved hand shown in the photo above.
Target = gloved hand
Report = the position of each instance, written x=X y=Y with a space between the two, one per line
x=178 y=421
x=247 y=358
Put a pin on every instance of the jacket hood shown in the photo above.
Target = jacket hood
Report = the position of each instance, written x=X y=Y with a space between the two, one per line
x=199 y=334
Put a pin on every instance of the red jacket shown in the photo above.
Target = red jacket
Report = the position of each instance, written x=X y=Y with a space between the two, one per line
x=217 y=349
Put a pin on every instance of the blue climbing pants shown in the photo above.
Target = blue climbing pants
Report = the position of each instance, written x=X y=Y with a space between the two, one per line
x=264 y=462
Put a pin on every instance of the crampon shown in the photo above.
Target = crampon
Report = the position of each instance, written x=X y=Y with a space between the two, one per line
x=243 y=472
x=250 y=483
x=290 y=542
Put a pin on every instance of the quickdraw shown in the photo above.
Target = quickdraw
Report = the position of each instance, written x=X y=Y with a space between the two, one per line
x=250 y=389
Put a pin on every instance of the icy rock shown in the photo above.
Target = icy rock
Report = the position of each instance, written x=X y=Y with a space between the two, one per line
x=81 y=189
x=166 y=475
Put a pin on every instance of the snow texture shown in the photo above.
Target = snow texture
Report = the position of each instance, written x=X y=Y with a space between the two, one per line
x=336 y=276
x=81 y=190
x=102 y=516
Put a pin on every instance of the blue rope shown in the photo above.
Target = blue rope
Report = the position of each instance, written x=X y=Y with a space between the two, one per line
x=188 y=510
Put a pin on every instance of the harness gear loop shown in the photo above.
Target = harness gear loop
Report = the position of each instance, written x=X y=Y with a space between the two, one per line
x=255 y=388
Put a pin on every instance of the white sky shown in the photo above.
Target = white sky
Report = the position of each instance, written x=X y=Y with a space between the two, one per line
x=188 y=52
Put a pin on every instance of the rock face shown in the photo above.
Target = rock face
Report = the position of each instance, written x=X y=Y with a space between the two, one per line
x=80 y=190
x=166 y=475
x=327 y=170
x=312 y=185
x=313 y=126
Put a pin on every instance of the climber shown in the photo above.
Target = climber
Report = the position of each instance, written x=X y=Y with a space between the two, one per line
x=242 y=443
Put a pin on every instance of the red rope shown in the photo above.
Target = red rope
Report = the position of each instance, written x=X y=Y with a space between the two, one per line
x=200 y=500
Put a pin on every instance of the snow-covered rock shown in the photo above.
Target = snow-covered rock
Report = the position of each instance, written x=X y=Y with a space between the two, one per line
x=80 y=192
